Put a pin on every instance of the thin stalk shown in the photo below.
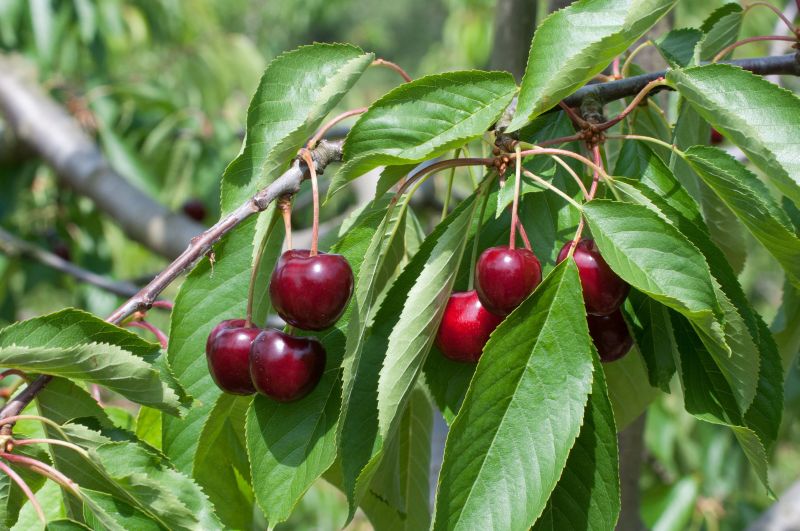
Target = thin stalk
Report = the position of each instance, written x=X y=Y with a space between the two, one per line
x=643 y=138
x=552 y=188
x=54 y=442
x=332 y=122
x=574 y=175
x=392 y=66
x=43 y=420
x=575 y=117
x=439 y=166
x=449 y=193
x=598 y=161
x=251 y=289
x=161 y=336
x=315 y=194
x=164 y=305
x=748 y=40
x=776 y=11
x=25 y=489
x=512 y=239
x=44 y=470
x=13 y=372
x=629 y=60
x=524 y=235
x=477 y=237
x=285 y=206
x=565 y=153
x=633 y=104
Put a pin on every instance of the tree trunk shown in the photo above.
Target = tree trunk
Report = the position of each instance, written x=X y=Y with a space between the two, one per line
x=514 y=23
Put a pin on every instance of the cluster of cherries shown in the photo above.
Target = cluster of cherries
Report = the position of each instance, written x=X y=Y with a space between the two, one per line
x=504 y=277
x=310 y=292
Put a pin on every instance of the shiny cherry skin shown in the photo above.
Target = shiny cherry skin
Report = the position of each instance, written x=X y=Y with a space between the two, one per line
x=195 y=209
x=285 y=367
x=228 y=357
x=505 y=277
x=310 y=292
x=603 y=290
x=465 y=328
x=610 y=335
x=222 y=325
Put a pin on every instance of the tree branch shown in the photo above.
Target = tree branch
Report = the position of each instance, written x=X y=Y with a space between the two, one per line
x=42 y=125
x=514 y=24
x=13 y=246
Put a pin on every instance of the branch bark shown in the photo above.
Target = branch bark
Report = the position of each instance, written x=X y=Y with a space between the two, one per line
x=41 y=124
x=514 y=24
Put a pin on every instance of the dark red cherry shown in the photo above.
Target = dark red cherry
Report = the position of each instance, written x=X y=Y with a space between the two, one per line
x=285 y=367
x=716 y=137
x=603 y=290
x=310 y=292
x=61 y=249
x=195 y=209
x=465 y=327
x=610 y=335
x=505 y=277
x=228 y=358
x=222 y=325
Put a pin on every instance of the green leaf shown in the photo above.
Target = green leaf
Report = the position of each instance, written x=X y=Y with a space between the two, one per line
x=210 y=294
x=752 y=203
x=423 y=119
x=574 y=44
x=628 y=388
x=655 y=258
x=675 y=511
x=75 y=344
x=403 y=332
x=448 y=382
x=11 y=496
x=721 y=29
x=677 y=46
x=297 y=90
x=652 y=330
x=755 y=114
x=587 y=495
x=291 y=444
x=531 y=385
x=106 y=512
x=221 y=466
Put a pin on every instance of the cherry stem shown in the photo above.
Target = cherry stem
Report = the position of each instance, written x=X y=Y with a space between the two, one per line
x=439 y=166
x=312 y=170
x=580 y=122
x=55 y=442
x=632 y=105
x=477 y=236
x=392 y=66
x=251 y=289
x=449 y=194
x=574 y=175
x=285 y=206
x=748 y=40
x=650 y=139
x=164 y=305
x=332 y=122
x=598 y=161
x=552 y=188
x=615 y=68
x=515 y=203
x=44 y=470
x=13 y=372
x=161 y=336
x=565 y=153
x=629 y=60
x=53 y=424
x=524 y=235
x=777 y=11
x=25 y=489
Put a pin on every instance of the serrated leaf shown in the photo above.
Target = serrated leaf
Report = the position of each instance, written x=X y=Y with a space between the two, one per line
x=291 y=444
x=297 y=90
x=106 y=512
x=221 y=466
x=678 y=46
x=403 y=332
x=11 y=496
x=655 y=258
x=652 y=330
x=423 y=119
x=721 y=29
x=574 y=44
x=587 y=495
x=752 y=203
x=759 y=117
x=510 y=442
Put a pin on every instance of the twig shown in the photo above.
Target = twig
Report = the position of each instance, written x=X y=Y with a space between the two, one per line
x=14 y=246
x=632 y=105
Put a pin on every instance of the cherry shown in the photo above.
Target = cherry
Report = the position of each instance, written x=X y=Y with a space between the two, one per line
x=61 y=249
x=716 y=137
x=228 y=354
x=285 y=367
x=505 y=277
x=195 y=209
x=465 y=328
x=310 y=292
x=610 y=335
x=603 y=290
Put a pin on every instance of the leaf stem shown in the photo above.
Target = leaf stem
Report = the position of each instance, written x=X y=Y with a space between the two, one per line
x=44 y=420
x=565 y=153
x=439 y=166
x=626 y=66
x=633 y=104
x=512 y=239
x=162 y=338
x=392 y=66
x=332 y=122
x=476 y=238
x=251 y=289
x=552 y=188
x=449 y=193
x=777 y=11
x=725 y=51
x=650 y=139
x=574 y=116
x=315 y=194
x=25 y=489
x=54 y=442
x=44 y=470
x=574 y=175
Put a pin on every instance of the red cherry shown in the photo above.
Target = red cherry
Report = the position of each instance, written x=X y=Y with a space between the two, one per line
x=222 y=325
x=465 y=328
x=505 y=277
x=285 y=367
x=195 y=209
x=310 y=292
x=716 y=137
x=610 y=335
x=228 y=357
x=603 y=290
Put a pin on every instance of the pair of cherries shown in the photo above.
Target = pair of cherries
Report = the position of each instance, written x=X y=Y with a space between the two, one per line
x=309 y=292
x=505 y=277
